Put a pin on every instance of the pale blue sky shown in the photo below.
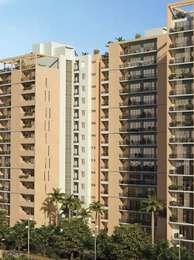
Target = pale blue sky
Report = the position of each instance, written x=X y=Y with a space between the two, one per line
x=84 y=24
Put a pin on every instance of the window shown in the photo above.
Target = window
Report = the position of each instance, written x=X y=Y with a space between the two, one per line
x=83 y=161
x=83 y=100
x=83 y=137
x=83 y=149
x=83 y=75
x=83 y=174
x=83 y=125
x=83 y=112
x=83 y=88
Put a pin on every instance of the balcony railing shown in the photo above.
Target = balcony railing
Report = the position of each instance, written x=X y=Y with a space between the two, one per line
x=183 y=59
x=181 y=107
x=182 y=75
x=137 y=182
x=183 y=43
x=183 y=155
x=137 y=77
x=140 y=129
x=181 y=140
x=140 y=142
x=138 y=168
x=136 y=103
x=183 y=91
x=138 y=50
x=186 y=123
x=182 y=27
x=137 y=155
x=138 y=63
x=140 y=116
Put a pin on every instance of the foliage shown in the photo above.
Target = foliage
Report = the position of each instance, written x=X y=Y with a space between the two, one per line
x=152 y=204
x=120 y=39
x=71 y=237
x=128 y=242
x=137 y=35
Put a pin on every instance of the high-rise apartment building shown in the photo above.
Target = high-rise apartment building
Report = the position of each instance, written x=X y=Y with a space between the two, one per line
x=35 y=129
x=132 y=133
x=114 y=128
x=180 y=70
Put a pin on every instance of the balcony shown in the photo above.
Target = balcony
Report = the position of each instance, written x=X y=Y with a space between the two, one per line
x=138 y=116
x=181 y=188
x=181 y=156
x=125 y=130
x=181 y=76
x=181 y=107
x=181 y=124
x=141 y=63
x=143 y=142
x=129 y=208
x=181 y=140
x=182 y=43
x=5 y=82
x=138 y=169
x=128 y=78
x=181 y=28
x=137 y=156
x=183 y=90
x=137 y=183
x=180 y=60
x=104 y=80
x=137 y=104
x=5 y=92
x=180 y=171
x=135 y=195
x=138 y=51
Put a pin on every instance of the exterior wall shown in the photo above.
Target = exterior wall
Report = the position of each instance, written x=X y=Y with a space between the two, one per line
x=82 y=130
x=123 y=186
x=180 y=72
x=33 y=159
x=66 y=56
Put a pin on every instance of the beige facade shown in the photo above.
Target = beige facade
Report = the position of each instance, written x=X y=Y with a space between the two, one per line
x=116 y=127
x=29 y=138
x=133 y=116
x=180 y=72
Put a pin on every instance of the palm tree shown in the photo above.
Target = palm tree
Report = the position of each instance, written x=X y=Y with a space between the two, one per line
x=98 y=209
x=152 y=205
x=57 y=198
x=76 y=206
x=84 y=214
x=120 y=39
x=50 y=210
x=68 y=206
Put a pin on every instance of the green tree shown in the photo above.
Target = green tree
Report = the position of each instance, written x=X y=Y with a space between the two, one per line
x=68 y=206
x=84 y=214
x=137 y=35
x=163 y=251
x=128 y=242
x=104 y=246
x=72 y=239
x=152 y=205
x=40 y=239
x=98 y=209
x=57 y=197
x=17 y=237
x=50 y=209
x=3 y=227
x=120 y=39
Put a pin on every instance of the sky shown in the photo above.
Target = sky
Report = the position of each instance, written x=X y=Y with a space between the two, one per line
x=84 y=24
